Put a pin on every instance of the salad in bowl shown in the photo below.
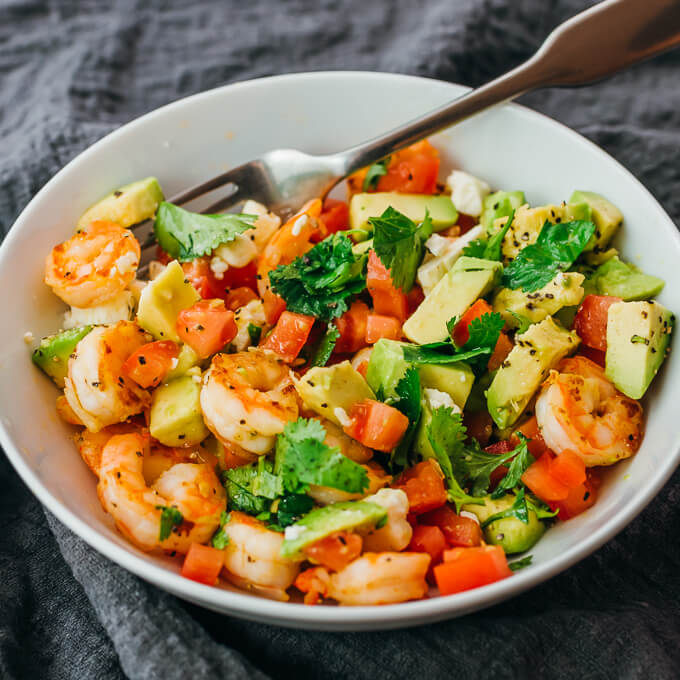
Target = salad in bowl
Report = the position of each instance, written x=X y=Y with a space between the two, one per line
x=373 y=401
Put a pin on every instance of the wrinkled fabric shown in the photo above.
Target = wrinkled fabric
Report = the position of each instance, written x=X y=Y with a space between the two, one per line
x=70 y=72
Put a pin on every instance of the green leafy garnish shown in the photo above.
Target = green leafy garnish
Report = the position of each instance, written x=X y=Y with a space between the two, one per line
x=322 y=352
x=523 y=322
x=302 y=458
x=491 y=248
x=186 y=235
x=399 y=243
x=516 y=565
x=320 y=282
x=254 y=333
x=251 y=488
x=408 y=402
x=555 y=250
x=519 y=510
x=170 y=517
x=521 y=461
x=291 y=508
x=220 y=540
x=374 y=173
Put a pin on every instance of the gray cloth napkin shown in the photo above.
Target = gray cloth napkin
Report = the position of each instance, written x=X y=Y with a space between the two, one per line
x=72 y=71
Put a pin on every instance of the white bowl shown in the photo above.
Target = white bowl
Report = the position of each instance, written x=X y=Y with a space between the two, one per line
x=195 y=138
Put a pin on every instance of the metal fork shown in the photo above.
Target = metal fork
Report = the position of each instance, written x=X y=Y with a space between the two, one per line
x=593 y=44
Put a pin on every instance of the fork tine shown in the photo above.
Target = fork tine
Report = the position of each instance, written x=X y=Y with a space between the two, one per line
x=233 y=176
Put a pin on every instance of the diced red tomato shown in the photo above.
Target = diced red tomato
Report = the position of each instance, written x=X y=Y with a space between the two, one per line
x=467 y=568
x=430 y=540
x=413 y=299
x=423 y=484
x=208 y=286
x=457 y=530
x=530 y=429
x=387 y=299
x=203 y=564
x=236 y=277
x=596 y=355
x=539 y=479
x=238 y=297
x=206 y=327
x=376 y=425
x=335 y=551
x=412 y=170
x=501 y=447
x=362 y=369
x=289 y=335
x=591 y=320
x=579 y=499
x=568 y=468
x=274 y=306
x=500 y=353
x=149 y=364
x=466 y=222
x=334 y=215
x=479 y=426
x=352 y=328
x=379 y=326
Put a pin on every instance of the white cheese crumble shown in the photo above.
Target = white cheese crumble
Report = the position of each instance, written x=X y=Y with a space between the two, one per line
x=467 y=192
x=342 y=416
x=294 y=532
x=437 y=398
x=300 y=222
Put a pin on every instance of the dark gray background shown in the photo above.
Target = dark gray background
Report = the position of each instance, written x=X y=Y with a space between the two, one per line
x=72 y=71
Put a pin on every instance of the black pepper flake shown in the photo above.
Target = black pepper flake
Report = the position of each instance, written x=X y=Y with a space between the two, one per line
x=586 y=495
x=138 y=453
x=142 y=360
x=242 y=421
x=117 y=475
x=117 y=194
x=181 y=436
x=200 y=327
x=173 y=553
x=532 y=352
x=324 y=405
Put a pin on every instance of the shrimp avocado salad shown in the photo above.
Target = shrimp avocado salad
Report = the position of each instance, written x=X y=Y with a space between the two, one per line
x=378 y=398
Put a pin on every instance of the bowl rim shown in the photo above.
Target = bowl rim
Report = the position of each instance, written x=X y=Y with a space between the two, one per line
x=329 y=617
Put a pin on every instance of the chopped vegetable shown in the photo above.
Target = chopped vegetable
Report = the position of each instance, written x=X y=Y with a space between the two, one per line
x=289 y=335
x=206 y=327
x=376 y=425
x=203 y=564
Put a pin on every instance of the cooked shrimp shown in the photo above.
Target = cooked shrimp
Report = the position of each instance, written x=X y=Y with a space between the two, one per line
x=397 y=532
x=91 y=444
x=93 y=266
x=580 y=410
x=252 y=558
x=95 y=387
x=326 y=495
x=192 y=488
x=247 y=399
x=373 y=578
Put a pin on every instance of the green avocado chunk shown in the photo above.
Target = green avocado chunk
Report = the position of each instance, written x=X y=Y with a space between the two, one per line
x=638 y=334
x=322 y=522
x=440 y=208
x=535 y=352
x=499 y=204
x=513 y=535
x=468 y=279
x=176 y=418
x=54 y=351
x=625 y=281
x=126 y=206
x=606 y=215
x=387 y=367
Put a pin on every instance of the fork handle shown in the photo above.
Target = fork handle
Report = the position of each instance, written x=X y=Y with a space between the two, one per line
x=591 y=45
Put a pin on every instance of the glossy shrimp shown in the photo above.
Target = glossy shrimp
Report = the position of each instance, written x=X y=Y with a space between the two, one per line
x=192 y=488
x=93 y=266
x=247 y=398
x=252 y=557
x=373 y=578
x=95 y=386
x=580 y=410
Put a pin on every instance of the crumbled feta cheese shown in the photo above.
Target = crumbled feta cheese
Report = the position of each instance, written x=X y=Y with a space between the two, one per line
x=300 y=222
x=437 y=398
x=342 y=416
x=28 y=337
x=218 y=266
x=437 y=244
x=467 y=192
x=237 y=253
x=469 y=515
x=252 y=313
x=293 y=532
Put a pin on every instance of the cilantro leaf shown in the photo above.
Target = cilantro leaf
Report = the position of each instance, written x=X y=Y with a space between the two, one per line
x=555 y=250
x=516 y=565
x=523 y=322
x=186 y=235
x=302 y=458
x=476 y=248
x=320 y=282
x=251 y=488
x=519 y=510
x=322 y=352
x=479 y=464
x=374 y=173
x=220 y=540
x=291 y=508
x=408 y=402
x=491 y=248
x=254 y=333
x=399 y=243
x=446 y=434
x=170 y=517
x=522 y=460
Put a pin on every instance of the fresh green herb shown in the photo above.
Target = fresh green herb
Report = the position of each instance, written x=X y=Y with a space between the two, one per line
x=170 y=517
x=521 y=461
x=254 y=333
x=321 y=281
x=555 y=250
x=516 y=565
x=186 y=235
x=408 y=402
x=251 y=488
x=220 y=540
x=477 y=465
x=322 y=352
x=374 y=173
x=291 y=508
x=519 y=510
x=523 y=322
x=265 y=483
x=491 y=248
x=302 y=458
x=399 y=243
x=446 y=434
